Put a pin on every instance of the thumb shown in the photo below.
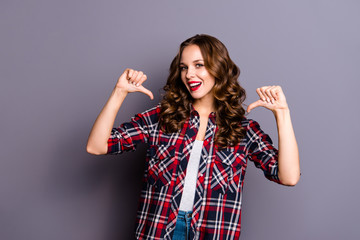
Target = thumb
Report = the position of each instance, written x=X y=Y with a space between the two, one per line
x=146 y=91
x=253 y=105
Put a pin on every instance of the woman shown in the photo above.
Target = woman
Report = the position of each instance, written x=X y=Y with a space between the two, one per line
x=199 y=143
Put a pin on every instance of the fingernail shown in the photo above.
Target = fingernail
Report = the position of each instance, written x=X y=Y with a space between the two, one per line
x=137 y=84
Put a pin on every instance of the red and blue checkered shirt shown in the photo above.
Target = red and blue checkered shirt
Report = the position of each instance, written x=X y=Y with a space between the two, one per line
x=217 y=203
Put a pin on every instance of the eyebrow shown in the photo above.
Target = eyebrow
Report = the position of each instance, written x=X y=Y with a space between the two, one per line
x=197 y=60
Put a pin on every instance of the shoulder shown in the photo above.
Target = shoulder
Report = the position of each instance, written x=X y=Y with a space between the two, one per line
x=152 y=111
x=253 y=130
x=249 y=124
x=150 y=116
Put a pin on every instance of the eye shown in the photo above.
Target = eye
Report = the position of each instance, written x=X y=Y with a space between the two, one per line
x=199 y=65
x=182 y=68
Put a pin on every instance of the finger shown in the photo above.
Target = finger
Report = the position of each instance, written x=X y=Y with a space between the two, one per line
x=138 y=79
x=146 y=91
x=269 y=98
x=258 y=103
x=261 y=95
x=130 y=73
x=269 y=95
x=142 y=80
x=133 y=77
x=264 y=93
x=274 y=92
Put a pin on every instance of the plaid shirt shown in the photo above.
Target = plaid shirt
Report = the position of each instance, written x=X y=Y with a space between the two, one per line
x=217 y=203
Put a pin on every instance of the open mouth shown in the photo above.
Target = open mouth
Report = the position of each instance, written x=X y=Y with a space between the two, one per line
x=194 y=85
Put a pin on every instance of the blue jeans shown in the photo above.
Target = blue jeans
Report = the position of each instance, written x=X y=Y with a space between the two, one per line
x=182 y=227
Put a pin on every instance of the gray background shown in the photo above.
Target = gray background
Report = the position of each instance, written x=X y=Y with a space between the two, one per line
x=60 y=60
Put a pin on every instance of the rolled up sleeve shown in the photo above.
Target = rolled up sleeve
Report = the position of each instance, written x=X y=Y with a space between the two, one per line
x=128 y=135
x=262 y=152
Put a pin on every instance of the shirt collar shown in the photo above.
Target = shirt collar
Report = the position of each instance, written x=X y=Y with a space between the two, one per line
x=195 y=117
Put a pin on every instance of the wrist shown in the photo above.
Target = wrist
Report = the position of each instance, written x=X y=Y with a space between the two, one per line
x=281 y=113
x=120 y=92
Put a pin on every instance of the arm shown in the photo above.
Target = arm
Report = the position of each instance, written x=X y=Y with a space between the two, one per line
x=274 y=99
x=129 y=81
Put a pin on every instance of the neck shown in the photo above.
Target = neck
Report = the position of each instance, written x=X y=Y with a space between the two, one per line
x=204 y=106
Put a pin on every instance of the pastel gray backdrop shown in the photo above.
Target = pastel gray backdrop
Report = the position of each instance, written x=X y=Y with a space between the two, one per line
x=61 y=59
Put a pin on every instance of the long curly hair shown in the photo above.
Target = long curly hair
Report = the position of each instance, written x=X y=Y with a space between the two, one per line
x=229 y=95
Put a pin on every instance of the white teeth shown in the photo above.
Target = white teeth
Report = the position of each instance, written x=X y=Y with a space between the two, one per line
x=194 y=84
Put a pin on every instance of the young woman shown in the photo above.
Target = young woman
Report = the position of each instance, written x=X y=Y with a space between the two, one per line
x=199 y=144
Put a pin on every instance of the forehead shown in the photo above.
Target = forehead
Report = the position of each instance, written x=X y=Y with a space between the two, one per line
x=191 y=53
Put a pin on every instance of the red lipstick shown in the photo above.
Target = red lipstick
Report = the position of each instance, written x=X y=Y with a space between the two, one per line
x=194 y=85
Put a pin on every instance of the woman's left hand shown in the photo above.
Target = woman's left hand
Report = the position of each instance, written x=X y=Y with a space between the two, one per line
x=271 y=97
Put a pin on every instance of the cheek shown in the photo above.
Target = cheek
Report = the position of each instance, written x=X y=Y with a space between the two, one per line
x=182 y=75
x=209 y=79
x=205 y=75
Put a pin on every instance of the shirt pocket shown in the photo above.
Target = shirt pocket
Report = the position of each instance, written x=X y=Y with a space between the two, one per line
x=161 y=165
x=228 y=171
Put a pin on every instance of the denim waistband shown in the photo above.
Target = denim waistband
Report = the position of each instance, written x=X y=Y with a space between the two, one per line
x=183 y=214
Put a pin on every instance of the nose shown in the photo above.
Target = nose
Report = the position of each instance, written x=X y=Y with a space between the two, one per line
x=190 y=72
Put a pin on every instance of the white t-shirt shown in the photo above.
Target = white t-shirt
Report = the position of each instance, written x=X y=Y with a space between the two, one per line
x=187 y=198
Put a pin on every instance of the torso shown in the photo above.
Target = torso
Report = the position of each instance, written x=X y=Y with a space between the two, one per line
x=202 y=129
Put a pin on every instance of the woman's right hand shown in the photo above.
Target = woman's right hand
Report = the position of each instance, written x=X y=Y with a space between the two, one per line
x=131 y=81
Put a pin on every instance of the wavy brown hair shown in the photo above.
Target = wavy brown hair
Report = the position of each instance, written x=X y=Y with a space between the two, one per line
x=229 y=95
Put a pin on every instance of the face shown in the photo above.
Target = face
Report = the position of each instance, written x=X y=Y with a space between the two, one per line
x=194 y=75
